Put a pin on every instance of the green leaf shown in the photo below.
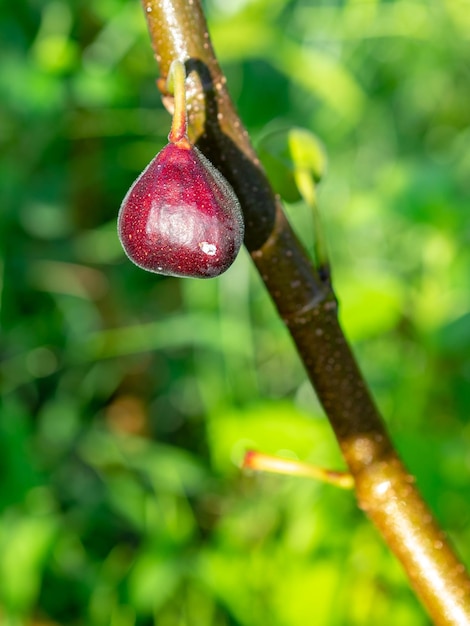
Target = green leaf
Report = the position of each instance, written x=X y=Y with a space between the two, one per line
x=290 y=157
x=271 y=427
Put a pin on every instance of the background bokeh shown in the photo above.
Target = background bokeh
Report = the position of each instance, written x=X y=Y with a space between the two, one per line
x=129 y=398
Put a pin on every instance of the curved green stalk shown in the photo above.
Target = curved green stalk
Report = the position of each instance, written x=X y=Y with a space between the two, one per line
x=176 y=85
x=384 y=488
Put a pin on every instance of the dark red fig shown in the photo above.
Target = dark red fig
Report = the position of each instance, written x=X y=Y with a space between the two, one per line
x=181 y=217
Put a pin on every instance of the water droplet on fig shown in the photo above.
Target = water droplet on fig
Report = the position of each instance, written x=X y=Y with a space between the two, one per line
x=181 y=217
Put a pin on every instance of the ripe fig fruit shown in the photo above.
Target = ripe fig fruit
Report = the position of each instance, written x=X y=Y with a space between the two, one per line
x=181 y=217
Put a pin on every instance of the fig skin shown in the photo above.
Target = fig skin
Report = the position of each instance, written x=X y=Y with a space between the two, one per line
x=181 y=217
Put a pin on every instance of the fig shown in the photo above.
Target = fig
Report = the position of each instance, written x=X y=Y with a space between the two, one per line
x=181 y=217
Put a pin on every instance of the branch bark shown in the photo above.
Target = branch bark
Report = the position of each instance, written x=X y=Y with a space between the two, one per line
x=385 y=489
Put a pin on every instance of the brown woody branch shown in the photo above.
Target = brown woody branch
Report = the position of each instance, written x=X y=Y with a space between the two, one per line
x=385 y=489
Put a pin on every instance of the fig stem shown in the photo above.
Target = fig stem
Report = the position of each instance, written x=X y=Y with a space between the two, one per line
x=176 y=84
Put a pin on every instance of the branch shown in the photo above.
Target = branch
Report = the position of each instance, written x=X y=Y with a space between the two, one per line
x=385 y=489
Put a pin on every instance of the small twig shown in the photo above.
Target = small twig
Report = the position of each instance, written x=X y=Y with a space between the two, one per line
x=260 y=462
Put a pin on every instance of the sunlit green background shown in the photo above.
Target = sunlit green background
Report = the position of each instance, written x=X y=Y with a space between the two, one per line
x=129 y=398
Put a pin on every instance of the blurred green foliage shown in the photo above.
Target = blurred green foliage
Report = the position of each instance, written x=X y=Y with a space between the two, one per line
x=129 y=398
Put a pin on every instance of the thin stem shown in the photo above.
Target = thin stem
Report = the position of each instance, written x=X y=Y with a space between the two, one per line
x=176 y=85
x=309 y=162
x=307 y=305
x=307 y=189
x=260 y=462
